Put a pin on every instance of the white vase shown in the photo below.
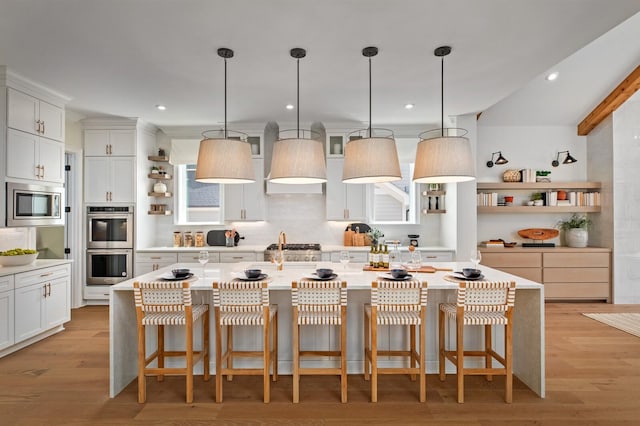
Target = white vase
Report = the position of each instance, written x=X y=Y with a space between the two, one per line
x=159 y=187
x=577 y=237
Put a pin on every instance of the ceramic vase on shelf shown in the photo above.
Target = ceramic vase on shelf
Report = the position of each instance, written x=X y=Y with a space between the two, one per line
x=576 y=237
x=159 y=187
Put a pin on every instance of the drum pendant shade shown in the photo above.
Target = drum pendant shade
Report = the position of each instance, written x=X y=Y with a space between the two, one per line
x=371 y=160
x=298 y=161
x=224 y=161
x=443 y=160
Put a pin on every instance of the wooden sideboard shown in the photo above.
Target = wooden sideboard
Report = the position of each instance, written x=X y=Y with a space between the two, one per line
x=567 y=273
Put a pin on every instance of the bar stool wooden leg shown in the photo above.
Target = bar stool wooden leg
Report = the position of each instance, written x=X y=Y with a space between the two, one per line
x=218 y=357
x=441 y=348
x=374 y=358
x=189 y=351
x=230 y=351
x=412 y=350
x=265 y=359
x=460 y=357
x=367 y=346
x=142 y=381
x=160 y=331
x=487 y=349
x=343 y=354
x=296 y=357
x=274 y=336
x=423 y=348
x=508 y=352
x=206 y=346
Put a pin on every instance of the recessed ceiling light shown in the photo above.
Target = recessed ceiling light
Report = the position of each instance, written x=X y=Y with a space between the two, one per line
x=289 y=106
x=552 y=76
x=161 y=107
x=409 y=106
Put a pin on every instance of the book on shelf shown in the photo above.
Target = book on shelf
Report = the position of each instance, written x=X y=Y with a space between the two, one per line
x=493 y=243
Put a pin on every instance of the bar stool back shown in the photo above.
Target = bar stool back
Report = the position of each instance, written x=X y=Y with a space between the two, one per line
x=485 y=303
x=319 y=303
x=245 y=303
x=169 y=303
x=395 y=303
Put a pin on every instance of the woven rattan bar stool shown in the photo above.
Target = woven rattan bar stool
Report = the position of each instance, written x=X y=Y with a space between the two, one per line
x=319 y=303
x=169 y=303
x=396 y=303
x=484 y=303
x=245 y=303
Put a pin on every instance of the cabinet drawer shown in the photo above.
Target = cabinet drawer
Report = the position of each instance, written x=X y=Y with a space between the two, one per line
x=533 y=274
x=576 y=291
x=157 y=257
x=39 y=275
x=237 y=257
x=6 y=283
x=576 y=259
x=512 y=260
x=193 y=257
x=576 y=275
x=435 y=256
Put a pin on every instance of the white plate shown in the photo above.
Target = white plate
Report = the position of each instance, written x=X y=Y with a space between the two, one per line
x=169 y=277
x=388 y=276
x=460 y=276
x=314 y=276
x=242 y=277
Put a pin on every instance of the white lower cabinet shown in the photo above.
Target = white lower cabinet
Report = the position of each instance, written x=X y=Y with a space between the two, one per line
x=149 y=262
x=6 y=311
x=42 y=300
x=238 y=257
x=192 y=257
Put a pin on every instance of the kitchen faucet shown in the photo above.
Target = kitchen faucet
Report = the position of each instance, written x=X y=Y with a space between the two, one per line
x=282 y=240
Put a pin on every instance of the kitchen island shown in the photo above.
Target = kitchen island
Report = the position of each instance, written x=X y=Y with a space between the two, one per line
x=528 y=319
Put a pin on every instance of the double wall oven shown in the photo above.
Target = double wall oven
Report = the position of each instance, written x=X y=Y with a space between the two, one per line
x=109 y=244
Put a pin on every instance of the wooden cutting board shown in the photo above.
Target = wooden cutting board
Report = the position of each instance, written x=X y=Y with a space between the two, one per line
x=538 y=233
x=424 y=269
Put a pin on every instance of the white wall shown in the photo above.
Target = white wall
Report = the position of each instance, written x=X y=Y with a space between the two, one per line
x=626 y=202
x=526 y=148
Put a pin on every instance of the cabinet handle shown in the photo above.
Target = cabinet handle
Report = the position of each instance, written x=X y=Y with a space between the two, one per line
x=48 y=274
x=43 y=128
x=44 y=291
x=42 y=169
x=49 y=287
x=156 y=257
x=110 y=149
x=38 y=126
x=106 y=149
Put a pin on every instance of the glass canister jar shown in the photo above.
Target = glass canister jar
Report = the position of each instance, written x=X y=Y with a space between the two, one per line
x=177 y=239
x=188 y=239
x=199 y=239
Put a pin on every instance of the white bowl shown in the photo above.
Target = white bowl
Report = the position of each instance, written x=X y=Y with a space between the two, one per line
x=23 y=259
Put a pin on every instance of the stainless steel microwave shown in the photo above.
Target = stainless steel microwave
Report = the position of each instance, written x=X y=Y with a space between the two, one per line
x=34 y=205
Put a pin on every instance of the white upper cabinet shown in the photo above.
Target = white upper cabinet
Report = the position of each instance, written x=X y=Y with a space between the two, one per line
x=109 y=179
x=246 y=201
x=35 y=158
x=34 y=116
x=344 y=201
x=108 y=142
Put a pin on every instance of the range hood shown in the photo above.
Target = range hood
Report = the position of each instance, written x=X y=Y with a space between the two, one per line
x=271 y=132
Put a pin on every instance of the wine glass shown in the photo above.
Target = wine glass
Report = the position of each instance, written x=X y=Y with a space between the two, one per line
x=344 y=258
x=476 y=257
x=203 y=258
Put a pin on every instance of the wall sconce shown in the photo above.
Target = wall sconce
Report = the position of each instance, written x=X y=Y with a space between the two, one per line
x=500 y=160
x=568 y=160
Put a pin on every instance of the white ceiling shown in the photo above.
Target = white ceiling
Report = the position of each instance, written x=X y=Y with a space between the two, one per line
x=122 y=57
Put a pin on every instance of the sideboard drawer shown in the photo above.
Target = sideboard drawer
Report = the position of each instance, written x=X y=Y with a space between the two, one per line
x=576 y=260
x=533 y=274
x=512 y=260
x=576 y=275
x=576 y=291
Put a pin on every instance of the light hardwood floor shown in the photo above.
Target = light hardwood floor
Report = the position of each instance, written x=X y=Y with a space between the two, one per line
x=593 y=378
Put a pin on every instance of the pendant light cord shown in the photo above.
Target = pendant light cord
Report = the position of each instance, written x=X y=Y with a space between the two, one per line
x=225 y=98
x=369 y=97
x=298 y=97
x=442 y=97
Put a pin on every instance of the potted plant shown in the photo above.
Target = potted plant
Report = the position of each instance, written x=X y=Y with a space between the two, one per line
x=375 y=235
x=542 y=176
x=576 y=230
x=536 y=197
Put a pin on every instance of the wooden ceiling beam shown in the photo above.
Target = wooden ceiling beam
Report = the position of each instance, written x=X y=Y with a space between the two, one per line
x=617 y=97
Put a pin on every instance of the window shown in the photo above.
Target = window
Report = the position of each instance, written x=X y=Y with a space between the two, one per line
x=394 y=202
x=196 y=202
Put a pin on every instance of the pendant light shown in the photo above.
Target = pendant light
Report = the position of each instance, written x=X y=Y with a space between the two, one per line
x=372 y=159
x=443 y=155
x=222 y=159
x=297 y=160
